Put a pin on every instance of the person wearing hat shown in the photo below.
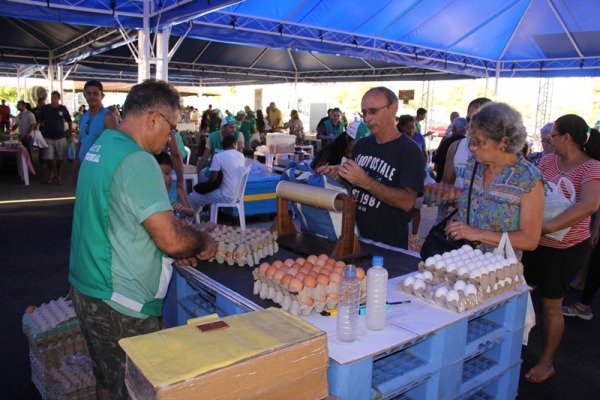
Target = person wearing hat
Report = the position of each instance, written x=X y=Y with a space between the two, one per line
x=340 y=149
x=214 y=144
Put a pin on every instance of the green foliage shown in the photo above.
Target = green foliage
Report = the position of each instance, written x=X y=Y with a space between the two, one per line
x=9 y=94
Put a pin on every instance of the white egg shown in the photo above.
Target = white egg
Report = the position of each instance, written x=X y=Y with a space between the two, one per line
x=474 y=274
x=437 y=257
x=488 y=255
x=460 y=285
x=453 y=253
x=471 y=265
x=429 y=262
x=419 y=284
x=441 y=264
x=446 y=256
x=470 y=289
x=477 y=252
x=427 y=275
x=511 y=260
x=418 y=275
x=451 y=267
x=441 y=291
x=452 y=295
x=409 y=281
x=466 y=247
x=463 y=271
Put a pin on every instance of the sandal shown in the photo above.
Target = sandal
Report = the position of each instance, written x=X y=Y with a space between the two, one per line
x=50 y=180
x=534 y=376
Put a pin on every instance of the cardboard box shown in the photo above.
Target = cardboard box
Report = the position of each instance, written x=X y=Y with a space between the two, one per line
x=265 y=354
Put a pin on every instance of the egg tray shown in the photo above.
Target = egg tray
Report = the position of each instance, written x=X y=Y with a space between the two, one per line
x=463 y=303
x=488 y=284
x=322 y=297
x=241 y=248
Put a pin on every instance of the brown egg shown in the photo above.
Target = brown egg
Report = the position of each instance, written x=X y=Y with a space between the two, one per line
x=271 y=271
x=333 y=296
x=305 y=271
x=340 y=264
x=300 y=276
x=284 y=268
x=278 y=275
x=328 y=267
x=311 y=259
x=360 y=273
x=309 y=281
x=263 y=267
x=330 y=261
x=286 y=278
x=322 y=299
x=322 y=279
x=335 y=277
x=277 y=263
x=295 y=285
x=317 y=268
x=313 y=274
x=308 y=265
x=300 y=260
x=289 y=262
x=296 y=266
x=320 y=262
x=309 y=301
x=292 y=271
x=323 y=257
x=339 y=270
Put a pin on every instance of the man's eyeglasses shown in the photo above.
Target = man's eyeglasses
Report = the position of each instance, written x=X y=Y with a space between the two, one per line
x=373 y=111
x=173 y=127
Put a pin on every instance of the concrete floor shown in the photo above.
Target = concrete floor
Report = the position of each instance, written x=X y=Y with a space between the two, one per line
x=34 y=252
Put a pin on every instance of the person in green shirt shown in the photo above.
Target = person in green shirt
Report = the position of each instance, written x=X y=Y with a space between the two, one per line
x=125 y=236
x=248 y=128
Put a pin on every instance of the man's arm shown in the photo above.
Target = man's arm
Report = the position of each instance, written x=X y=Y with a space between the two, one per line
x=402 y=198
x=110 y=121
x=449 y=173
x=179 y=241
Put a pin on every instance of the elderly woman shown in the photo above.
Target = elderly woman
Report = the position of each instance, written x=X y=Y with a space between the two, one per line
x=536 y=157
x=553 y=263
x=507 y=193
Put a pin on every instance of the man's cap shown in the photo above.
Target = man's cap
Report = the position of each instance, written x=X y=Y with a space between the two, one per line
x=357 y=130
x=251 y=114
x=241 y=113
x=460 y=124
x=228 y=120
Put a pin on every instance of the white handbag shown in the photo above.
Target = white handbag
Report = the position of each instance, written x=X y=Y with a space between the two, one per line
x=38 y=140
x=557 y=203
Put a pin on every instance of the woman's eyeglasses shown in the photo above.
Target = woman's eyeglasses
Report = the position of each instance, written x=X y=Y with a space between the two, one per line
x=476 y=142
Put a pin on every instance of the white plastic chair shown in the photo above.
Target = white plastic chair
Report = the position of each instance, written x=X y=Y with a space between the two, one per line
x=189 y=153
x=237 y=202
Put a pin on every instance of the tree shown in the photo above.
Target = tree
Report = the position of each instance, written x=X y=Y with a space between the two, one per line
x=9 y=94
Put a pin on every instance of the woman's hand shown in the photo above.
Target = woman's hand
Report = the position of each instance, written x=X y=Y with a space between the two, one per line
x=459 y=230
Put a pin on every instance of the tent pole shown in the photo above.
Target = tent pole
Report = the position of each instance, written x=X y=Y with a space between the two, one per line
x=51 y=70
x=162 y=54
x=144 y=45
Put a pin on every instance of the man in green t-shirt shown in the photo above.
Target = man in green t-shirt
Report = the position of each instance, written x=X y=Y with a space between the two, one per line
x=125 y=234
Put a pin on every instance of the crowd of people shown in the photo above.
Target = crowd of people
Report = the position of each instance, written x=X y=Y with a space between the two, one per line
x=127 y=228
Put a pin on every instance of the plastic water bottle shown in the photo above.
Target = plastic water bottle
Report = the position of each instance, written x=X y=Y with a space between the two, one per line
x=348 y=302
x=377 y=278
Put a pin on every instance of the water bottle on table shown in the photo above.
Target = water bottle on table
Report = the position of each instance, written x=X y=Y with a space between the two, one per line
x=348 y=302
x=377 y=278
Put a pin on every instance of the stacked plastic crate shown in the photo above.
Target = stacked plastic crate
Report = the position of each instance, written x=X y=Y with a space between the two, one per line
x=60 y=363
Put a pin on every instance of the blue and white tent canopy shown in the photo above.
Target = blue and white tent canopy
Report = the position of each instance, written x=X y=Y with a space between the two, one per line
x=314 y=40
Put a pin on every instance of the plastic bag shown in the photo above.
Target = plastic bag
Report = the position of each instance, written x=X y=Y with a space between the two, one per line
x=318 y=221
x=505 y=248
x=71 y=152
x=557 y=203
x=38 y=140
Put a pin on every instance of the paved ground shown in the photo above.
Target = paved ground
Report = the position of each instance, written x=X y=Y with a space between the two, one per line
x=34 y=248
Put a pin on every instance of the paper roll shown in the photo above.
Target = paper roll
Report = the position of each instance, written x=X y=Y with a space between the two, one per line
x=310 y=195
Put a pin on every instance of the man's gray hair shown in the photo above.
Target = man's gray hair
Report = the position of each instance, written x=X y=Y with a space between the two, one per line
x=389 y=94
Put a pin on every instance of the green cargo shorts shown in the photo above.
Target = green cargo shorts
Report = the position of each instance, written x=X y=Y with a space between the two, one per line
x=102 y=328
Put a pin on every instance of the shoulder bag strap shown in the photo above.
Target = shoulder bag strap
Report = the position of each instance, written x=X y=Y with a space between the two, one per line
x=470 y=192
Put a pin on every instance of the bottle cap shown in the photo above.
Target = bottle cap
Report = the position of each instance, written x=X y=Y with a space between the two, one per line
x=378 y=260
x=350 y=270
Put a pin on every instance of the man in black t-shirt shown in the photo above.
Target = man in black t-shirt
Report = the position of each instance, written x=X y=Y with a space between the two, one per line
x=53 y=118
x=387 y=172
